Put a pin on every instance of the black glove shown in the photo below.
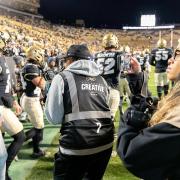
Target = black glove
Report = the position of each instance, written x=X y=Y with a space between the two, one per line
x=144 y=104
x=141 y=110
x=138 y=83
x=137 y=119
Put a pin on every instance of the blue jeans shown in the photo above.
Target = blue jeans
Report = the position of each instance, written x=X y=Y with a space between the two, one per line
x=3 y=157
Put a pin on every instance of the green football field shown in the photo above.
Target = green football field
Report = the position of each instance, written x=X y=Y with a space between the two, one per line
x=42 y=169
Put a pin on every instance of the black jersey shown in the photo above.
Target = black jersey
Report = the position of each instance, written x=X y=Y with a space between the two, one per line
x=109 y=66
x=19 y=86
x=29 y=72
x=159 y=58
x=5 y=81
x=142 y=61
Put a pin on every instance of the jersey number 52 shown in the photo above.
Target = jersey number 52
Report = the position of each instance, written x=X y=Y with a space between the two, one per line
x=106 y=65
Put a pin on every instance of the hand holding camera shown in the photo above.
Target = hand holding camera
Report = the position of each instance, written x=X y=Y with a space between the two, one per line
x=130 y=65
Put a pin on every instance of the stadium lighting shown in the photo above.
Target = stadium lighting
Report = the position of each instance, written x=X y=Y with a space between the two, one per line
x=147 y=23
x=148 y=20
x=148 y=27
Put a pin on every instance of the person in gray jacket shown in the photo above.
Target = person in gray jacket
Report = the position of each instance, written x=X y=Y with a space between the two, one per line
x=78 y=100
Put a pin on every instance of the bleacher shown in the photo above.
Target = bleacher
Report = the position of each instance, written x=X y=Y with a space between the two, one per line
x=22 y=5
x=60 y=36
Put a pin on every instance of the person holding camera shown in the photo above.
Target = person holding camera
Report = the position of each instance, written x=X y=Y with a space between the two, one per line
x=148 y=141
x=78 y=100
x=33 y=82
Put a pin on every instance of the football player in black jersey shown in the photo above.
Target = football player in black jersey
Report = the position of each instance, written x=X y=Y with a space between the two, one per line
x=123 y=83
x=19 y=64
x=143 y=60
x=146 y=53
x=11 y=123
x=49 y=74
x=159 y=58
x=33 y=83
x=108 y=62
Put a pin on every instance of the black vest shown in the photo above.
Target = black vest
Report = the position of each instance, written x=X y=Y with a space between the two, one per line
x=87 y=127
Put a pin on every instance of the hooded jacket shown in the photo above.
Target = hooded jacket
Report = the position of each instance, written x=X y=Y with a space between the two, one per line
x=54 y=108
x=78 y=99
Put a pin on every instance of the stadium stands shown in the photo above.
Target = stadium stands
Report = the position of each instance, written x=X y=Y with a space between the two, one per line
x=22 y=5
x=51 y=36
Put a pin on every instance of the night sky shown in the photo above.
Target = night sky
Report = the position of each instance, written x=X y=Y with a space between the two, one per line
x=110 y=13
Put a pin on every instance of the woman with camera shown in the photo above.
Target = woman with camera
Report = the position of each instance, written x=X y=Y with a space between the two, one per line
x=149 y=144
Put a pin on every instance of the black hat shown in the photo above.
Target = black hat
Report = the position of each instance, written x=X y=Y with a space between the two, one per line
x=79 y=51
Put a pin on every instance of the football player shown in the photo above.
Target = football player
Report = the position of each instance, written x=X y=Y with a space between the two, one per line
x=49 y=74
x=123 y=83
x=33 y=83
x=11 y=123
x=143 y=60
x=159 y=58
x=19 y=64
x=108 y=62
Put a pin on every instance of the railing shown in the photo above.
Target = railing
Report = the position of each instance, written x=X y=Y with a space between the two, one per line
x=20 y=12
x=29 y=3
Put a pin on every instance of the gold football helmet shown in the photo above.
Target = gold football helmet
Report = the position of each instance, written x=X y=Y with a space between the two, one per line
x=146 y=51
x=127 y=49
x=36 y=53
x=162 y=43
x=121 y=48
x=110 y=41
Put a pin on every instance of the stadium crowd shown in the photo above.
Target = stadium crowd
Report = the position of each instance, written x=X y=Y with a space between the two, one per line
x=61 y=67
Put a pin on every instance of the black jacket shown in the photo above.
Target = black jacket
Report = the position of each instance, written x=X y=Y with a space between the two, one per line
x=151 y=153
